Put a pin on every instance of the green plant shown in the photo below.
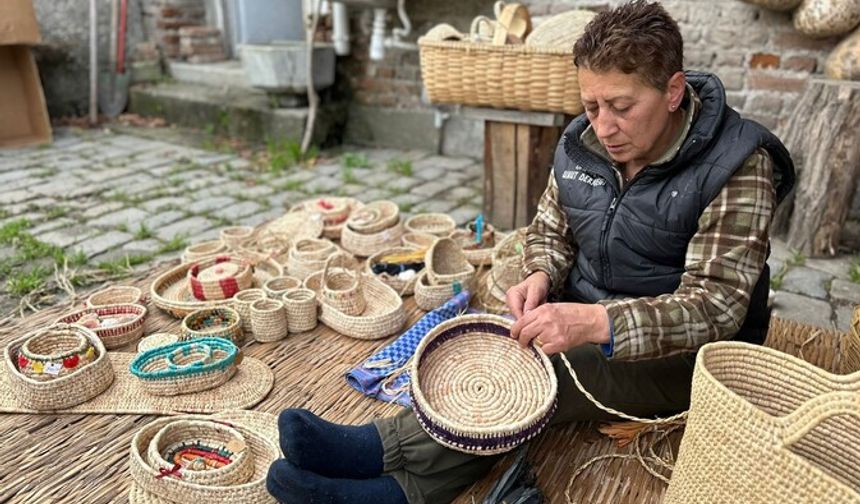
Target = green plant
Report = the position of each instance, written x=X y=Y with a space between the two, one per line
x=291 y=185
x=406 y=207
x=12 y=230
x=355 y=160
x=403 y=167
x=797 y=259
x=122 y=227
x=143 y=232
x=21 y=283
x=854 y=271
x=175 y=244
x=777 y=279
x=56 y=212
x=348 y=176
x=78 y=259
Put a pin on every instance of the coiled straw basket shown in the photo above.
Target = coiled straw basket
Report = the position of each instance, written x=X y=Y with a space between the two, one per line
x=301 y=307
x=476 y=390
x=767 y=427
x=436 y=224
x=269 y=320
x=341 y=287
x=186 y=367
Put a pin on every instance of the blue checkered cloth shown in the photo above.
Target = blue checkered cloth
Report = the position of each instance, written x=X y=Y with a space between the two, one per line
x=369 y=377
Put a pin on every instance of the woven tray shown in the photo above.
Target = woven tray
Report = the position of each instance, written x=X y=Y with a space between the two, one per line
x=510 y=76
x=186 y=367
x=151 y=487
x=436 y=224
x=383 y=316
x=65 y=391
x=219 y=277
x=116 y=294
x=476 y=390
x=114 y=336
x=171 y=293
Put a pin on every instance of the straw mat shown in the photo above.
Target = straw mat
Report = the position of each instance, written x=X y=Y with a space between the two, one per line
x=73 y=458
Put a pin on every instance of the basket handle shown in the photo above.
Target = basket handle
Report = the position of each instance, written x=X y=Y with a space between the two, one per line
x=812 y=413
x=330 y=261
x=475 y=29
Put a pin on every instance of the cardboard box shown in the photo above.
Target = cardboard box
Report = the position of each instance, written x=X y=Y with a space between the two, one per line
x=23 y=113
x=18 y=23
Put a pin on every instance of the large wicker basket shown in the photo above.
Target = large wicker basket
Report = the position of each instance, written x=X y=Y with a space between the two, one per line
x=512 y=76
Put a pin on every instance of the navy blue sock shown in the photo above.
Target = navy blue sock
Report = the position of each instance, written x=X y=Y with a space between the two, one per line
x=328 y=449
x=292 y=485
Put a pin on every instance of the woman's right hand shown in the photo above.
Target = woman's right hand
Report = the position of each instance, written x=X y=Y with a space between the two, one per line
x=528 y=294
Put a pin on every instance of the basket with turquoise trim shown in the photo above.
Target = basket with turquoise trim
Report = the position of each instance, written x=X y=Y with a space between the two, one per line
x=186 y=366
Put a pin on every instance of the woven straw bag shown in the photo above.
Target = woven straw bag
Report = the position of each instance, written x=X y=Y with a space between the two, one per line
x=81 y=385
x=436 y=224
x=206 y=453
x=374 y=217
x=277 y=286
x=301 y=307
x=476 y=390
x=220 y=322
x=242 y=302
x=446 y=263
x=429 y=297
x=268 y=320
x=765 y=427
x=366 y=244
x=341 y=287
x=560 y=31
x=117 y=294
x=118 y=325
x=236 y=236
x=383 y=316
x=203 y=250
x=403 y=287
x=418 y=240
x=308 y=256
x=153 y=482
x=219 y=277
x=186 y=367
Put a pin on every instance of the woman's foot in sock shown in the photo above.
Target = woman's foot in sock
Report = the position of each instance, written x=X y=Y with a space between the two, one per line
x=328 y=449
x=292 y=485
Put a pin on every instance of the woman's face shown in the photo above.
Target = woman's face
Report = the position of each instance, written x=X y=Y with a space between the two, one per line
x=632 y=119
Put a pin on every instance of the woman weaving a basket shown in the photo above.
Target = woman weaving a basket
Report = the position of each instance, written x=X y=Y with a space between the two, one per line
x=650 y=241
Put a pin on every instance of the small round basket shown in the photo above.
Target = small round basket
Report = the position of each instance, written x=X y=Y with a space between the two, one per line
x=235 y=236
x=219 y=277
x=341 y=288
x=477 y=253
x=301 y=307
x=203 y=250
x=156 y=340
x=476 y=390
x=446 y=263
x=202 y=452
x=220 y=322
x=366 y=244
x=186 y=367
x=405 y=286
x=52 y=354
x=277 y=286
x=437 y=224
x=308 y=256
x=421 y=241
x=374 y=217
x=335 y=210
x=268 y=320
x=116 y=325
x=155 y=484
x=81 y=384
x=242 y=302
x=117 y=294
x=429 y=297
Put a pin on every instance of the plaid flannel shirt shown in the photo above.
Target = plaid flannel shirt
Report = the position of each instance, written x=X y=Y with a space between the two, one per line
x=722 y=265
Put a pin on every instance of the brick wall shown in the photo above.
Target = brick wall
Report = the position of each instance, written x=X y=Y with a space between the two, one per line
x=761 y=59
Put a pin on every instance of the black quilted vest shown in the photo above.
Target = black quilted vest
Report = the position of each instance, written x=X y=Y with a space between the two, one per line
x=632 y=242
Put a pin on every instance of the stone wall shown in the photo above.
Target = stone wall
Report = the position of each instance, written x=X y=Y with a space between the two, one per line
x=761 y=59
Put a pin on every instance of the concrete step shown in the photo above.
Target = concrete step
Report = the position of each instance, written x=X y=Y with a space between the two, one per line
x=245 y=113
x=224 y=73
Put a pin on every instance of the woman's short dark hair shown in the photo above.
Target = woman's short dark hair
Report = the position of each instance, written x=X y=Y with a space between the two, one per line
x=637 y=37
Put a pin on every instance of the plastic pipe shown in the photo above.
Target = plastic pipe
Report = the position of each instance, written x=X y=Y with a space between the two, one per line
x=377 y=37
x=340 y=28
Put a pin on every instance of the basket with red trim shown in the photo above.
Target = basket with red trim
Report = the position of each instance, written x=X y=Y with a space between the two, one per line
x=219 y=277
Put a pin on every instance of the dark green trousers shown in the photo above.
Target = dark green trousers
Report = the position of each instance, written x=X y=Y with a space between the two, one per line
x=431 y=473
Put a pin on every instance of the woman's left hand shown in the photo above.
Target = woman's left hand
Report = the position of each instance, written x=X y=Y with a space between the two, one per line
x=558 y=327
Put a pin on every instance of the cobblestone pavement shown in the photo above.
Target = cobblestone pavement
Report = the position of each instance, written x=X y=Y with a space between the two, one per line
x=98 y=198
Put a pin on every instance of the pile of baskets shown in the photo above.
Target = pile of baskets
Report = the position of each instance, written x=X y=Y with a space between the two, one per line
x=374 y=227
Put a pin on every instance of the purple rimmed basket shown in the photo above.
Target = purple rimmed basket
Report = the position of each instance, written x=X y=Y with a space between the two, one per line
x=475 y=390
